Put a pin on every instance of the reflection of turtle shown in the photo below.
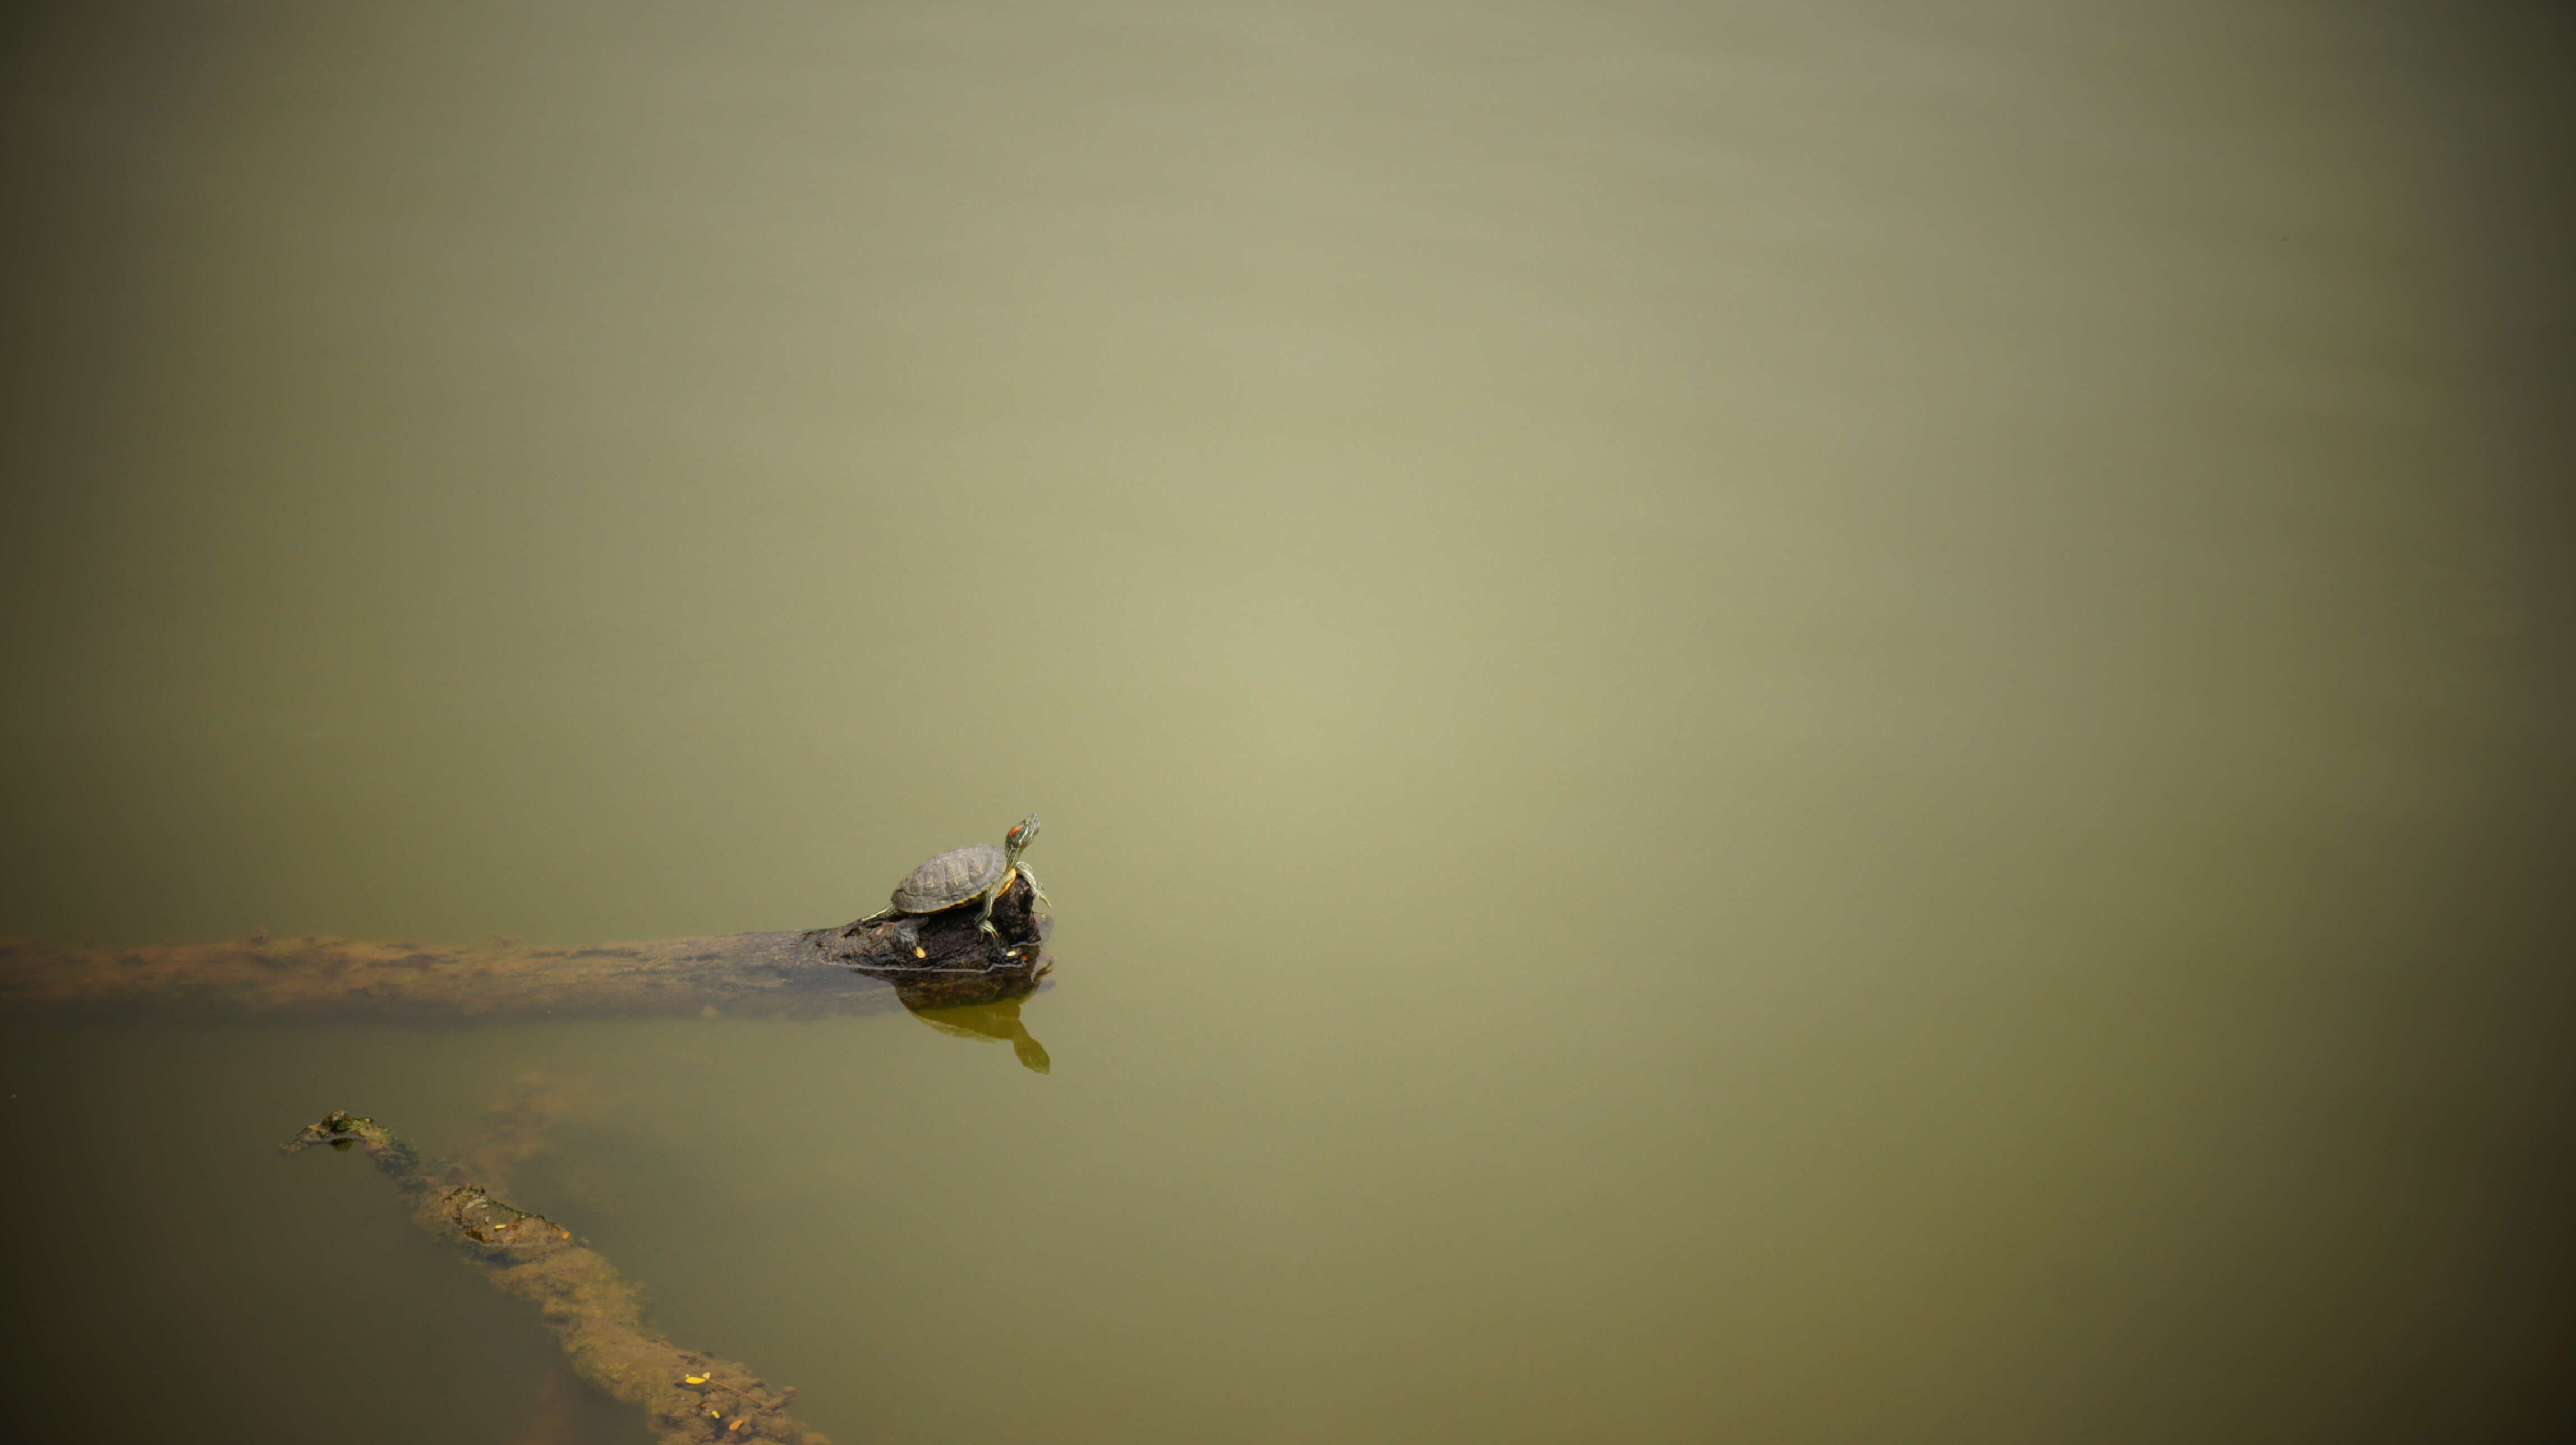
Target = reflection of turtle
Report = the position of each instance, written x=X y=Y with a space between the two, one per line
x=989 y=1022
x=962 y=875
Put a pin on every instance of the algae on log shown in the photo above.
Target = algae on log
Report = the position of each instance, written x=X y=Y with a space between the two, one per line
x=597 y=1314
x=929 y=960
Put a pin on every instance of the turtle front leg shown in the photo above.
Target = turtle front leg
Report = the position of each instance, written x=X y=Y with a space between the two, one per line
x=1037 y=895
x=993 y=895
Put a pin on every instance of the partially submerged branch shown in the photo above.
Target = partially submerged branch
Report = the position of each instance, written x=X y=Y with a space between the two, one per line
x=597 y=1314
x=932 y=960
x=340 y=978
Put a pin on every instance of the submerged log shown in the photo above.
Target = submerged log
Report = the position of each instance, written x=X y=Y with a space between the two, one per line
x=596 y=1313
x=929 y=960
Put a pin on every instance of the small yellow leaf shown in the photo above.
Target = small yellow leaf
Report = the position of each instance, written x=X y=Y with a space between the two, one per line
x=693 y=1379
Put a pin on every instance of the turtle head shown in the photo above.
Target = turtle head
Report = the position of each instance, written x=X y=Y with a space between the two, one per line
x=1018 y=839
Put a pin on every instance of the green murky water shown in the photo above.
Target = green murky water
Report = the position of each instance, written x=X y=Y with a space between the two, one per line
x=1764 y=722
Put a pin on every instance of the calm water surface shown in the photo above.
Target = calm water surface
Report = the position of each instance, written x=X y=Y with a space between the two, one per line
x=1775 y=722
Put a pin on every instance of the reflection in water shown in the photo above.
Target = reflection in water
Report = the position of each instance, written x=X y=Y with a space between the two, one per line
x=998 y=1022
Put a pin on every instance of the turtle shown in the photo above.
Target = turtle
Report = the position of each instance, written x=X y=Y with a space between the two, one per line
x=962 y=875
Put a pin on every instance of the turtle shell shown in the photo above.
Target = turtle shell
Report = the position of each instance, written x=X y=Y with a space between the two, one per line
x=950 y=879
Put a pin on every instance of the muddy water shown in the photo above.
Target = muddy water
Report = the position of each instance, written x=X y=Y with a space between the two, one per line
x=1788 y=722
